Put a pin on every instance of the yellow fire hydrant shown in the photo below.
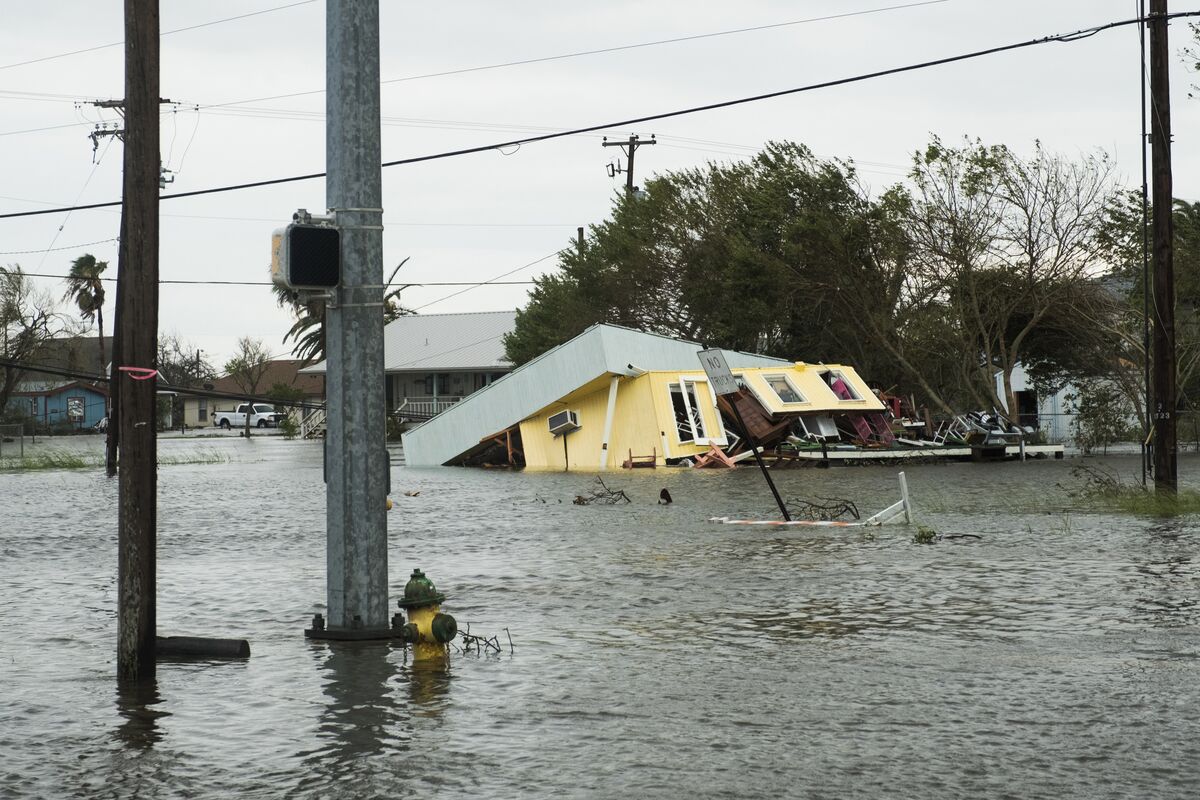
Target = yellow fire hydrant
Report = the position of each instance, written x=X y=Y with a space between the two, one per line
x=428 y=630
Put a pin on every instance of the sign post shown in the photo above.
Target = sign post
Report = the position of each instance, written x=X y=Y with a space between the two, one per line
x=723 y=383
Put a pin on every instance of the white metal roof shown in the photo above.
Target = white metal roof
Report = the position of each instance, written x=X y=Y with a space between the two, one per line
x=428 y=342
x=599 y=350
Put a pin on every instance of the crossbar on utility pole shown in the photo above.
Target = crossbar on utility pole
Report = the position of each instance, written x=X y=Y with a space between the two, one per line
x=356 y=521
x=137 y=334
x=629 y=148
x=1164 y=390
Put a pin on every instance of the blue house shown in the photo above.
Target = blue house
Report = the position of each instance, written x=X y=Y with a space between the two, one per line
x=55 y=404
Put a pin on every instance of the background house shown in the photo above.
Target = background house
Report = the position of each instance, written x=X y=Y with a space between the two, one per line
x=198 y=411
x=60 y=404
x=433 y=361
x=49 y=399
x=1052 y=413
x=76 y=353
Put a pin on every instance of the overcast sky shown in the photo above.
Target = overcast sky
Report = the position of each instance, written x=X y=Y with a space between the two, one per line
x=475 y=217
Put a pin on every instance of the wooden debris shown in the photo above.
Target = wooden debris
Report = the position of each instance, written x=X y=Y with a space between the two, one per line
x=602 y=496
x=635 y=462
x=823 y=509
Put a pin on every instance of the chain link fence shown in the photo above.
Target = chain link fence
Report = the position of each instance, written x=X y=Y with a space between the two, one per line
x=12 y=441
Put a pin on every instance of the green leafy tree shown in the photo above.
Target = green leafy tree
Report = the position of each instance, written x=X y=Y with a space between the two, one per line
x=1103 y=416
x=1122 y=327
x=286 y=396
x=784 y=254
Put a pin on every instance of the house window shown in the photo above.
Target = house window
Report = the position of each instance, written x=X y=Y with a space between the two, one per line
x=840 y=385
x=784 y=389
x=689 y=422
x=202 y=409
x=33 y=406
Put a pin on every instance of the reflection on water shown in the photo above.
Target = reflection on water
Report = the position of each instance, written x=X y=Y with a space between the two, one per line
x=361 y=716
x=656 y=655
x=137 y=703
x=428 y=688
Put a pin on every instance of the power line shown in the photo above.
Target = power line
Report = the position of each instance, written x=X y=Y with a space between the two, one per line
x=1066 y=38
x=598 y=51
x=54 y=250
x=492 y=281
x=164 y=281
x=270 y=113
x=163 y=33
x=276 y=221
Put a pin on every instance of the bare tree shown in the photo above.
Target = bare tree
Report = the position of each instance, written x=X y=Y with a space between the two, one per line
x=249 y=365
x=247 y=369
x=1007 y=241
x=28 y=318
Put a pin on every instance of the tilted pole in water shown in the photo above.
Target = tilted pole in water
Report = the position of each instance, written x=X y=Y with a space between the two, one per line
x=754 y=448
x=137 y=310
x=356 y=521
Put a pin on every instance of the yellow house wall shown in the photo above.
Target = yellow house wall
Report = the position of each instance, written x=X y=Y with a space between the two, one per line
x=641 y=419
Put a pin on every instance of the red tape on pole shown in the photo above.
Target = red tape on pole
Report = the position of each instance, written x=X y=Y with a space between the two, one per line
x=139 y=373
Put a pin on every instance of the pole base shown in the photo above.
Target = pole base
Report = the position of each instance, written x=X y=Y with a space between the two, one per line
x=352 y=634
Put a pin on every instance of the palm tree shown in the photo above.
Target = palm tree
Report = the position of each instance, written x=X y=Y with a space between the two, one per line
x=308 y=332
x=86 y=290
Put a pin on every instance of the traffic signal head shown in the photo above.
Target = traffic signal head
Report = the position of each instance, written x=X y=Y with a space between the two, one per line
x=305 y=256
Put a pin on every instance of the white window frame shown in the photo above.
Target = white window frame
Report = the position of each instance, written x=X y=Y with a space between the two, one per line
x=693 y=414
x=768 y=377
x=856 y=394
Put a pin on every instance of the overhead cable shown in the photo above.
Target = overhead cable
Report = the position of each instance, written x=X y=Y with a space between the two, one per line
x=164 y=33
x=1067 y=37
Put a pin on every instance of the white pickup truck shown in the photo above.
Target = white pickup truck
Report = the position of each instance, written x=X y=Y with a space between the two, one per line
x=261 y=416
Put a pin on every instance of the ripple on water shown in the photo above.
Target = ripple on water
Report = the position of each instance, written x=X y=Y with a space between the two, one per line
x=655 y=654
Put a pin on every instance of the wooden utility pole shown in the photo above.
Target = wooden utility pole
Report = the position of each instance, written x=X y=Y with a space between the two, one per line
x=629 y=148
x=137 y=312
x=1163 y=379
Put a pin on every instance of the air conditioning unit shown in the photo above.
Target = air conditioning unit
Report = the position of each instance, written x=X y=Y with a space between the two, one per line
x=564 y=422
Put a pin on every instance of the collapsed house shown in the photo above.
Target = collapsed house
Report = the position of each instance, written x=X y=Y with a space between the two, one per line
x=615 y=397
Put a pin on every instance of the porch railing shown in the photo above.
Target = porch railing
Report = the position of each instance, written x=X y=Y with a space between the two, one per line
x=425 y=406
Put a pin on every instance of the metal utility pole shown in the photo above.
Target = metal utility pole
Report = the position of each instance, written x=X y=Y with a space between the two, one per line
x=137 y=333
x=629 y=148
x=1165 y=423
x=356 y=534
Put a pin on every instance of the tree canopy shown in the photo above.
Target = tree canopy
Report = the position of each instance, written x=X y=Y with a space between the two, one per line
x=982 y=259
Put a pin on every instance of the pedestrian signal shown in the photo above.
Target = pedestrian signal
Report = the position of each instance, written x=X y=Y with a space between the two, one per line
x=305 y=256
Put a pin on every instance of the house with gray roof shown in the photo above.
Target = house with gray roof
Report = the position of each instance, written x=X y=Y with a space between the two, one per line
x=432 y=361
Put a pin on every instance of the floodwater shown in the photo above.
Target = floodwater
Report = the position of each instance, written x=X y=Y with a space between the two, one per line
x=655 y=654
